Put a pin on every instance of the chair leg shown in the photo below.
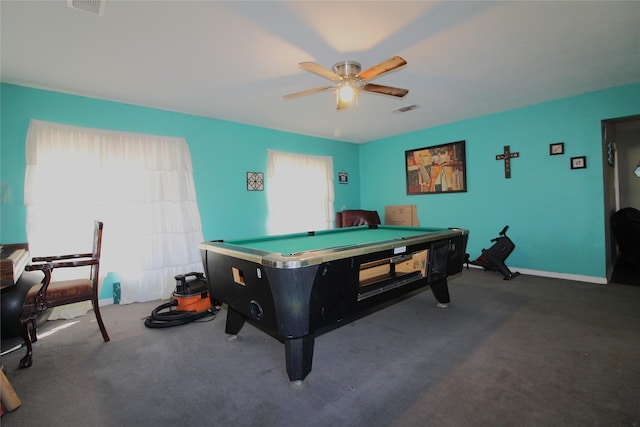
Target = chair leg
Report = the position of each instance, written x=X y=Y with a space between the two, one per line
x=96 y=310
x=29 y=334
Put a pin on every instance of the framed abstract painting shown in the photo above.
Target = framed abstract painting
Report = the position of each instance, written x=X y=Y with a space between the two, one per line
x=436 y=169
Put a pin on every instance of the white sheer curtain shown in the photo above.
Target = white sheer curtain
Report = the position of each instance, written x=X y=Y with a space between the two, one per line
x=140 y=186
x=300 y=192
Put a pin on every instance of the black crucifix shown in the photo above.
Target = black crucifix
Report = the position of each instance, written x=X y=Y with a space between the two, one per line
x=507 y=156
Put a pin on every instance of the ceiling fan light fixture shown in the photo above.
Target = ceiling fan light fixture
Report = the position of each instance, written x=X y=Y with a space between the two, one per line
x=347 y=92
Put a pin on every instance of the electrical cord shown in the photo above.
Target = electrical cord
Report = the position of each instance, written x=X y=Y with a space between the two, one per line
x=164 y=316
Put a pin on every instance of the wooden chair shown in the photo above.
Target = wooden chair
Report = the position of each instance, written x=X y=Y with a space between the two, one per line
x=52 y=294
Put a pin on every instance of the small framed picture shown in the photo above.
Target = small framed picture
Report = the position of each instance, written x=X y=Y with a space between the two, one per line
x=343 y=178
x=579 y=162
x=255 y=181
x=556 y=148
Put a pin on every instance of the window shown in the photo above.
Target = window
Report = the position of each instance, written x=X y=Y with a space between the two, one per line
x=140 y=186
x=300 y=192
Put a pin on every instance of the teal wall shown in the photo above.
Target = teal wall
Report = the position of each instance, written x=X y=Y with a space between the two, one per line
x=555 y=214
x=222 y=152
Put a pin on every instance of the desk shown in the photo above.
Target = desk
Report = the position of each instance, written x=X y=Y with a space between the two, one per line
x=13 y=259
x=294 y=285
x=15 y=283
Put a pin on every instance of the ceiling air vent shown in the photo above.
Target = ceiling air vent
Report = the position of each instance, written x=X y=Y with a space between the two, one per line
x=92 y=6
x=405 y=109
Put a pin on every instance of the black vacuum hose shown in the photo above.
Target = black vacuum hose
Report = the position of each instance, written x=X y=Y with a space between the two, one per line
x=160 y=319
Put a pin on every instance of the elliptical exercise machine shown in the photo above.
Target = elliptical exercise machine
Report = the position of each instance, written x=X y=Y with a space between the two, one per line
x=494 y=257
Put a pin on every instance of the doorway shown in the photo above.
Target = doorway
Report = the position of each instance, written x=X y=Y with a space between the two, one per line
x=621 y=154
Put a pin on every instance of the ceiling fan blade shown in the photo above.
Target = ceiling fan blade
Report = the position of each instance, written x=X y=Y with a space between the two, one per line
x=307 y=92
x=321 y=71
x=385 y=90
x=382 y=68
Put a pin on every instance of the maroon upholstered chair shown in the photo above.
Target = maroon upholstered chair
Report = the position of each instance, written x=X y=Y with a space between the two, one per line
x=355 y=217
x=52 y=294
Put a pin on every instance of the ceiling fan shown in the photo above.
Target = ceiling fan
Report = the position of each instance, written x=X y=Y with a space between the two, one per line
x=350 y=80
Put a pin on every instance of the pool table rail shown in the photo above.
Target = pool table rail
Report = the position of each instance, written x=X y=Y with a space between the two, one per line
x=242 y=249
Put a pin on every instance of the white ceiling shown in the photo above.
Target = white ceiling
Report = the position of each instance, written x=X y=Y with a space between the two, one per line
x=234 y=60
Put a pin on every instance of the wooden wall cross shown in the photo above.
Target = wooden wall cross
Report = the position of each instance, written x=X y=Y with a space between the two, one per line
x=507 y=156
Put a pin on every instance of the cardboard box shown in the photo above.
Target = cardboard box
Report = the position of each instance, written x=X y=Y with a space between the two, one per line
x=401 y=215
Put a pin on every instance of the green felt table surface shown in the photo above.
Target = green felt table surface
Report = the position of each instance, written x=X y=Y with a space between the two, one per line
x=327 y=239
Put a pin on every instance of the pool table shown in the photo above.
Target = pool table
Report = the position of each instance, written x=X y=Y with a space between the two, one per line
x=295 y=286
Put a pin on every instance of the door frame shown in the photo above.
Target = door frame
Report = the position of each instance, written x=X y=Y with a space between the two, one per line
x=611 y=185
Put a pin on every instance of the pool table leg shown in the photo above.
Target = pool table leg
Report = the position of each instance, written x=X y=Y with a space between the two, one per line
x=235 y=321
x=440 y=290
x=299 y=355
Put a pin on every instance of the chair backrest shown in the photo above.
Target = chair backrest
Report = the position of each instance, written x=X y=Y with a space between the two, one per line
x=355 y=217
x=97 y=249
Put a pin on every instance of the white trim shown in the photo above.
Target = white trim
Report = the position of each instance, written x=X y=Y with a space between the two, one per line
x=106 y=301
x=564 y=276
x=555 y=275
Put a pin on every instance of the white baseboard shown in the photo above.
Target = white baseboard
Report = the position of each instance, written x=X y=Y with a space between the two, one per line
x=565 y=276
x=107 y=301
x=555 y=275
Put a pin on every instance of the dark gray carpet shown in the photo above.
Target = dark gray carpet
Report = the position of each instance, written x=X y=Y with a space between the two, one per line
x=526 y=352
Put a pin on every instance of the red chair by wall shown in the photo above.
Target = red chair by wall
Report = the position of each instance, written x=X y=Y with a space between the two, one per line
x=355 y=217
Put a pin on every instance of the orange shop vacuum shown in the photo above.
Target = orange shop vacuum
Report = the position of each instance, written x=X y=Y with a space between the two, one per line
x=189 y=302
